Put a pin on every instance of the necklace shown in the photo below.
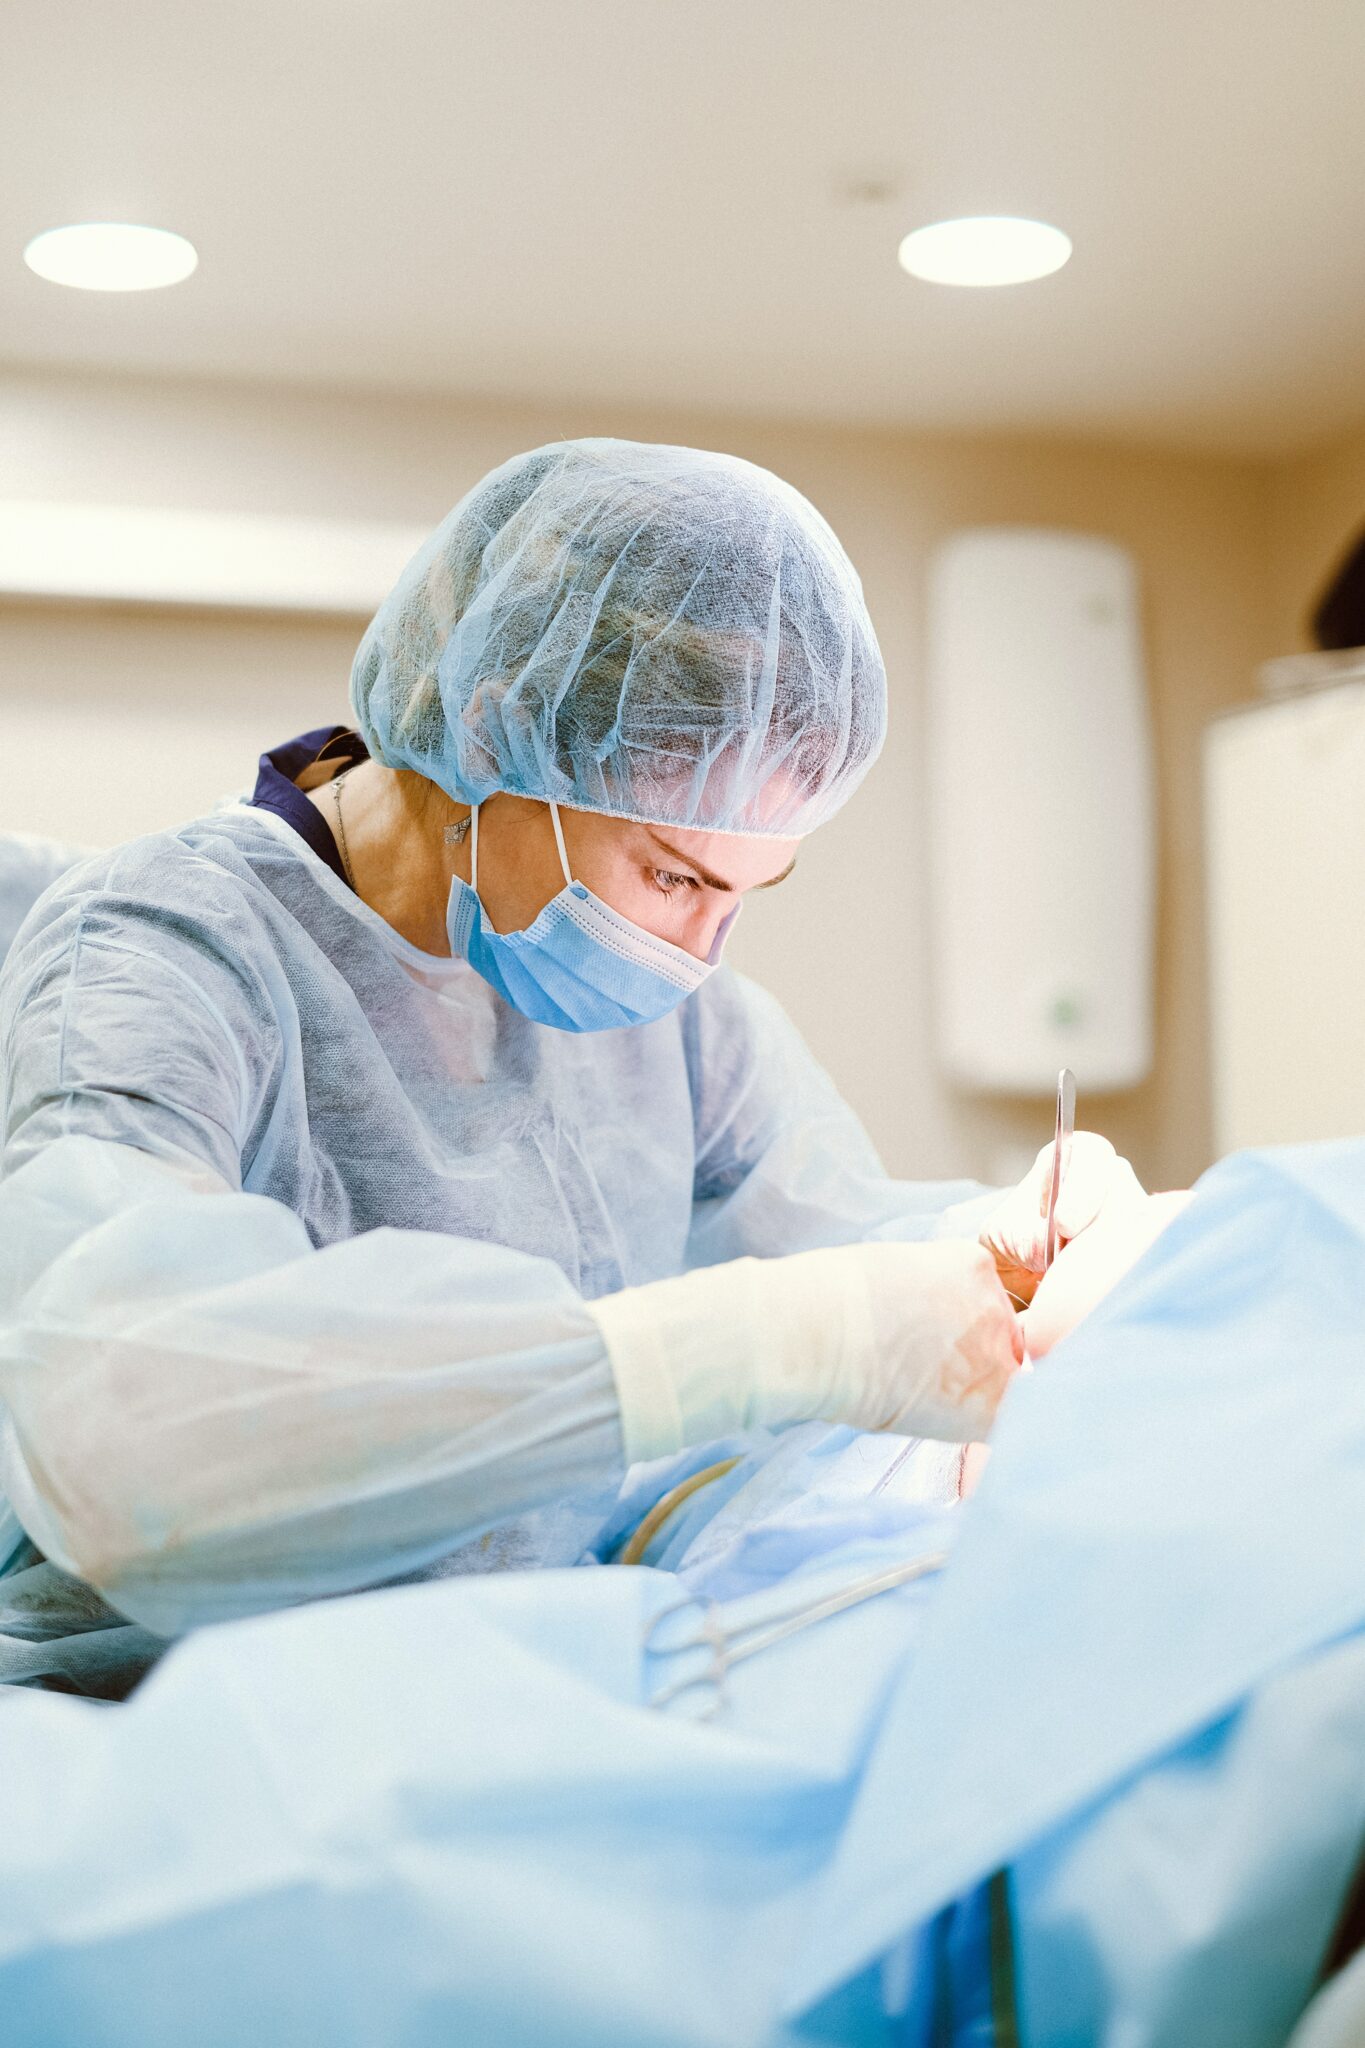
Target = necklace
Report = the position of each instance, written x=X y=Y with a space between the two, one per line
x=337 y=781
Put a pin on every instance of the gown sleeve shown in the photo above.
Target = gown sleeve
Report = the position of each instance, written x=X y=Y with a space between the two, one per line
x=783 y=1164
x=201 y=1414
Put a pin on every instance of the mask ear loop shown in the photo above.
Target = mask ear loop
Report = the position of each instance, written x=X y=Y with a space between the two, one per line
x=559 y=841
x=474 y=845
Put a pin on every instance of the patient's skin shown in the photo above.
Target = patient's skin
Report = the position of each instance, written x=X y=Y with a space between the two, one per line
x=974 y=1458
x=1083 y=1272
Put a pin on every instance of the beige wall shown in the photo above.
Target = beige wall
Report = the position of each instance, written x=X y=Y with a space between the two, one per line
x=147 y=709
x=1317 y=509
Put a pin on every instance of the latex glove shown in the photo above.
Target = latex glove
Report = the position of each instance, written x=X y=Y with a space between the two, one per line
x=1097 y=1181
x=919 y=1338
x=1081 y=1276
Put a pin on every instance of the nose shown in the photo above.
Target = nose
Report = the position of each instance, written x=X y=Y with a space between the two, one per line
x=709 y=943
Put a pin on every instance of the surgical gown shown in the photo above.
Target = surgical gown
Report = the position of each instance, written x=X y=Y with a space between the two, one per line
x=299 y=1222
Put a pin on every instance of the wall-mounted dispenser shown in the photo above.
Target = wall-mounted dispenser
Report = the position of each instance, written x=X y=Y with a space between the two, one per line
x=1041 y=812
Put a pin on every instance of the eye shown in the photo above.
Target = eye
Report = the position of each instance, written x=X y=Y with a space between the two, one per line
x=668 y=884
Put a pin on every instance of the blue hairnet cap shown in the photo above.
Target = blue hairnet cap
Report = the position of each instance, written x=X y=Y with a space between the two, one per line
x=652 y=632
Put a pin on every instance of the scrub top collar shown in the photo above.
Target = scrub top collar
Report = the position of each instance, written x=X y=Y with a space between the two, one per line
x=277 y=787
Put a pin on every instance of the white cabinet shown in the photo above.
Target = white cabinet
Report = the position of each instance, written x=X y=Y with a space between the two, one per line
x=1285 y=807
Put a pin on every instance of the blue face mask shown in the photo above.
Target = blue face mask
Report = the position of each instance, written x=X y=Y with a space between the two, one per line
x=581 y=966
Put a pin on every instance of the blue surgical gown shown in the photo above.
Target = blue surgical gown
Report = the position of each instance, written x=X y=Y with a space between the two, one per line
x=299 y=1223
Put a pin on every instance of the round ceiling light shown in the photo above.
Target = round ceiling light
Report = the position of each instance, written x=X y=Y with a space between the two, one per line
x=111 y=256
x=984 y=249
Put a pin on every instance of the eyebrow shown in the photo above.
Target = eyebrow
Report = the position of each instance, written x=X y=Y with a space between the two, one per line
x=705 y=874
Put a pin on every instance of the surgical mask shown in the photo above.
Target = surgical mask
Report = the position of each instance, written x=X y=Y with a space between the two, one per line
x=580 y=966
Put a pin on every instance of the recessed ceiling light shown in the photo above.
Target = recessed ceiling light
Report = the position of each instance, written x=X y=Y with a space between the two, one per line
x=111 y=256
x=984 y=249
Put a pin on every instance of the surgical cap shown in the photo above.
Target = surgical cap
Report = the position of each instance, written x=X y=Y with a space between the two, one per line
x=652 y=632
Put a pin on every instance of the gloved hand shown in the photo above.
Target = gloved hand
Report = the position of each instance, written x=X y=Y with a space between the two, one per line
x=1081 y=1276
x=1097 y=1183
x=918 y=1338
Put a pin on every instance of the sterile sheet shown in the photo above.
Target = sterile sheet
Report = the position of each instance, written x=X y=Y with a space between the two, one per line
x=444 y=1813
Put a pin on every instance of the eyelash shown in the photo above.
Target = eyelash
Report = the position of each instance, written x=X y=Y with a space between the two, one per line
x=668 y=884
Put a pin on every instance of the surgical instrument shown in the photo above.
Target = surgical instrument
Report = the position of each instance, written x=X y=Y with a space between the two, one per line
x=1064 y=1132
x=1061 y=1157
x=726 y=1648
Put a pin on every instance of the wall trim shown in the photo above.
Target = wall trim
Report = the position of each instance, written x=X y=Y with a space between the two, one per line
x=140 y=555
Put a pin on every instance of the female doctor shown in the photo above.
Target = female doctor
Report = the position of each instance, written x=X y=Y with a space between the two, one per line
x=389 y=1154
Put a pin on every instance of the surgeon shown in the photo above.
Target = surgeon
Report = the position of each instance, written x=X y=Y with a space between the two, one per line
x=391 y=1154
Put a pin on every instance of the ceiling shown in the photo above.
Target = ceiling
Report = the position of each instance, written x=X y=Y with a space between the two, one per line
x=648 y=201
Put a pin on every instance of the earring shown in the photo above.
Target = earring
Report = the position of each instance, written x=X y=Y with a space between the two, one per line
x=456 y=835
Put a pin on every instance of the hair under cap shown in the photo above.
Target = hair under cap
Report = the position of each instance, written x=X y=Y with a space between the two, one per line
x=652 y=632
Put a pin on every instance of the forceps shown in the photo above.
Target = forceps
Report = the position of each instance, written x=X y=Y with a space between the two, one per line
x=725 y=1648
x=1061 y=1157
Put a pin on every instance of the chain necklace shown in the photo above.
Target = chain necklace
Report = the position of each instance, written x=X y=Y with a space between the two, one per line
x=337 y=781
x=455 y=835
